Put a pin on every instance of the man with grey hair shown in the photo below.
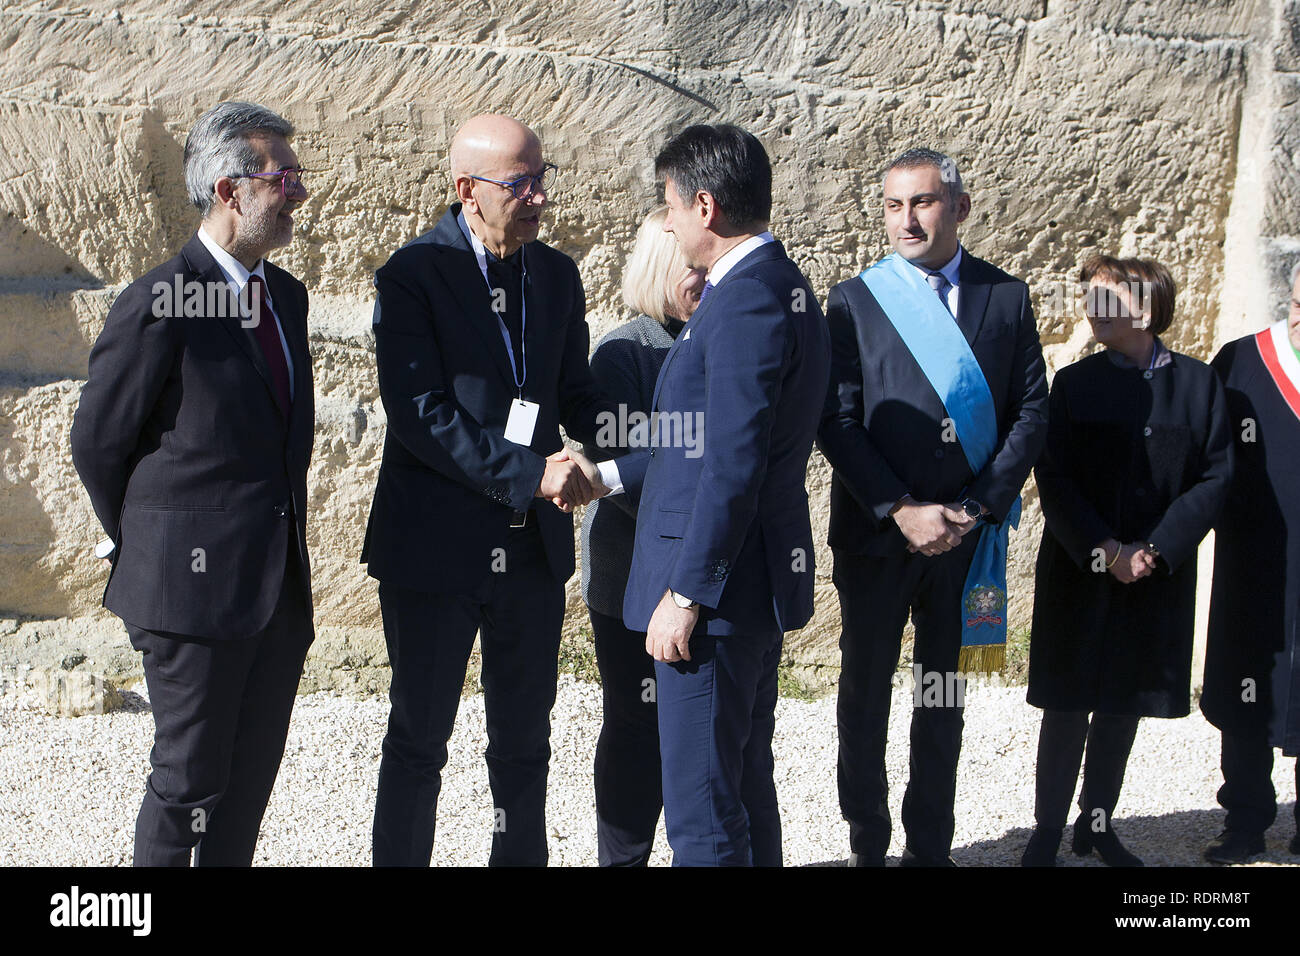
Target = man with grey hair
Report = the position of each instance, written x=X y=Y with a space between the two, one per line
x=936 y=411
x=193 y=436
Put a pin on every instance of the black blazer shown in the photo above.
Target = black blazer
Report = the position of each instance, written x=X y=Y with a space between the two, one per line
x=449 y=480
x=188 y=460
x=882 y=427
x=1254 y=621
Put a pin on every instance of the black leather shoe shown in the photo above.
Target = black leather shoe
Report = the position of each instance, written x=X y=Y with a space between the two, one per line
x=911 y=859
x=1106 y=843
x=1235 y=846
x=865 y=859
x=1043 y=844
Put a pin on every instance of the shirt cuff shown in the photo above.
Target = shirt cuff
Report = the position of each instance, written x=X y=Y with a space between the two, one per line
x=610 y=477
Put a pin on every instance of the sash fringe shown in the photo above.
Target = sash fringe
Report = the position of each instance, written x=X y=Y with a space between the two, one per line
x=982 y=658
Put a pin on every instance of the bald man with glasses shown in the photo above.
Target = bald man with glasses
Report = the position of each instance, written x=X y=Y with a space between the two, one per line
x=481 y=342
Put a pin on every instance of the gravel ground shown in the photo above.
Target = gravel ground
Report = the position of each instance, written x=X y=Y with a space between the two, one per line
x=70 y=787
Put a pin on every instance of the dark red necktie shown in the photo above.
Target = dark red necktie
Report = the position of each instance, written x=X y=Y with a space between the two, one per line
x=269 y=338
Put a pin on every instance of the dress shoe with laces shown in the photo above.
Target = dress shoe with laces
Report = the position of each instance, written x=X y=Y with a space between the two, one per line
x=1106 y=843
x=1043 y=844
x=1235 y=846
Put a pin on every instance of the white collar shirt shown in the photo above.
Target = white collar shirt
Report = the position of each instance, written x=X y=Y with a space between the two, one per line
x=732 y=256
x=238 y=276
x=950 y=272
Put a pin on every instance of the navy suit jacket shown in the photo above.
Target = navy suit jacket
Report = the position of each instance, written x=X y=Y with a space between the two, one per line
x=191 y=466
x=883 y=426
x=726 y=522
x=449 y=480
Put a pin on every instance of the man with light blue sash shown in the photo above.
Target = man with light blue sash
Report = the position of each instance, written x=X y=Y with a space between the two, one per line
x=936 y=412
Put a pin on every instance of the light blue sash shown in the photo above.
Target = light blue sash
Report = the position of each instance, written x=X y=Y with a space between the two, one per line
x=939 y=347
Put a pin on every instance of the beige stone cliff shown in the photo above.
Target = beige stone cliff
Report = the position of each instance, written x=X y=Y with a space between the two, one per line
x=1160 y=129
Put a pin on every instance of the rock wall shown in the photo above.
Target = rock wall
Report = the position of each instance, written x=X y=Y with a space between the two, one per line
x=1165 y=130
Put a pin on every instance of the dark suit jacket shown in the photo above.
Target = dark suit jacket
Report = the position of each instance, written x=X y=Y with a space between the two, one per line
x=181 y=443
x=1254 y=622
x=449 y=480
x=626 y=365
x=729 y=526
x=882 y=428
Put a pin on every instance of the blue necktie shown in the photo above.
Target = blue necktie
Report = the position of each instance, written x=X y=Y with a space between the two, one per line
x=708 y=287
x=940 y=284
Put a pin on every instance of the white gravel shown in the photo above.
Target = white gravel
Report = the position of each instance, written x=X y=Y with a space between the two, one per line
x=70 y=787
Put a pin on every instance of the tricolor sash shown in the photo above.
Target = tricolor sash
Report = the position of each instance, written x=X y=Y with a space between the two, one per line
x=1274 y=344
x=939 y=347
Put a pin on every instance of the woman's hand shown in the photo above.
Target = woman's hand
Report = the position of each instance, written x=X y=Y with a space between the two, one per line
x=1134 y=563
x=1142 y=562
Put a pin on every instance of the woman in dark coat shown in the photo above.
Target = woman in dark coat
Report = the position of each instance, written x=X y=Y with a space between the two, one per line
x=629 y=797
x=1135 y=470
x=1252 y=665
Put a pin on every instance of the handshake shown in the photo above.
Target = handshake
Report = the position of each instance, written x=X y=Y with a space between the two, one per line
x=571 y=479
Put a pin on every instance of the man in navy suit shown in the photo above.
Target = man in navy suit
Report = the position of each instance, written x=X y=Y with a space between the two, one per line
x=723 y=564
x=193 y=436
x=481 y=345
x=904 y=498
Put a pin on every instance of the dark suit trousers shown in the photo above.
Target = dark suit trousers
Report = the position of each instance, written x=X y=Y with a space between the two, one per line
x=717 y=714
x=518 y=612
x=629 y=791
x=221 y=714
x=1247 y=792
x=876 y=594
x=1061 y=745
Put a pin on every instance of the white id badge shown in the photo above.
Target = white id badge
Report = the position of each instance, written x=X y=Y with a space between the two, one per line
x=522 y=421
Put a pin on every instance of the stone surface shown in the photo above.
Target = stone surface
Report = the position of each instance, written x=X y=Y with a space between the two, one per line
x=1088 y=126
x=60 y=691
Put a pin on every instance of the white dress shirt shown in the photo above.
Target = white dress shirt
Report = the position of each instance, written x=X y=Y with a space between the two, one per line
x=728 y=260
x=950 y=273
x=238 y=276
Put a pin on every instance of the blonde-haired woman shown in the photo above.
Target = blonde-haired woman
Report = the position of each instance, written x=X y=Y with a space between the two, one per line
x=658 y=286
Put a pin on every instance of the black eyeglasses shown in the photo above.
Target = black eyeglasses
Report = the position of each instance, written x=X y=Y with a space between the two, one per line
x=290 y=179
x=526 y=184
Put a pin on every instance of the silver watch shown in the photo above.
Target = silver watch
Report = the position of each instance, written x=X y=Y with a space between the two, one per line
x=682 y=601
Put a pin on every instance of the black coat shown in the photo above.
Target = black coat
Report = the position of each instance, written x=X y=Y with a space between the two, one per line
x=449 y=480
x=1256 y=594
x=1141 y=456
x=626 y=365
x=882 y=427
x=181 y=444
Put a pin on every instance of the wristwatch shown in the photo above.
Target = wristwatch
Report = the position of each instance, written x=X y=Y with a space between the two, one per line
x=972 y=508
x=682 y=601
